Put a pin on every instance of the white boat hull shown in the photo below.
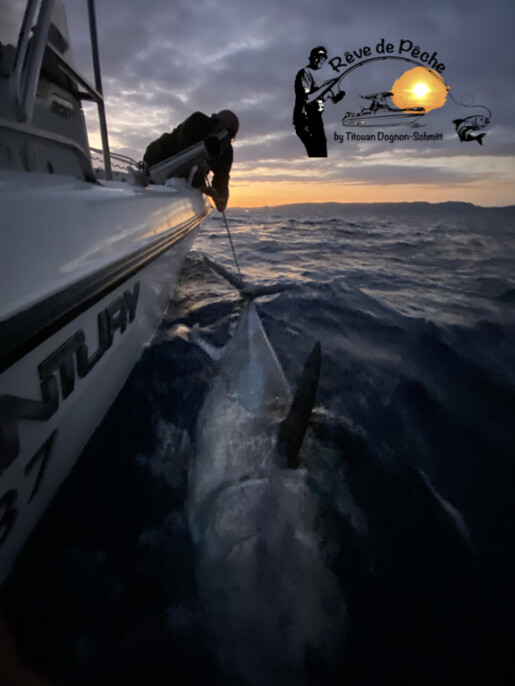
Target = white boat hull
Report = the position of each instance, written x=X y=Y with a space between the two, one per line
x=65 y=360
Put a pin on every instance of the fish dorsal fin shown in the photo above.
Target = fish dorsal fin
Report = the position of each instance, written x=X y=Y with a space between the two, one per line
x=210 y=350
x=293 y=429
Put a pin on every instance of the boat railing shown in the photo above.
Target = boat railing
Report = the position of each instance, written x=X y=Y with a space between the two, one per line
x=123 y=168
x=28 y=59
x=25 y=72
x=183 y=164
x=121 y=162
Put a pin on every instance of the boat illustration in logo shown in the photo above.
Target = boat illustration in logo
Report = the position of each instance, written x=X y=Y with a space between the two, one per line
x=381 y=113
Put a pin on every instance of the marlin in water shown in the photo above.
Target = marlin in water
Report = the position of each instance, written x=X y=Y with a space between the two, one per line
x=273 y=605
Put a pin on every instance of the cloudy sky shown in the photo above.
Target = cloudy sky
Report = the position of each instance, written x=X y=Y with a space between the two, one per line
x=163 y=59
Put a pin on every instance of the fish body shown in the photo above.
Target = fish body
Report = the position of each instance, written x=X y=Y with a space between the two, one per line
x=271 y=601
x=465 y=128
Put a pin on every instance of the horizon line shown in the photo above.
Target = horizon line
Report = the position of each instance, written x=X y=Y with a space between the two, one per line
x=402 y=202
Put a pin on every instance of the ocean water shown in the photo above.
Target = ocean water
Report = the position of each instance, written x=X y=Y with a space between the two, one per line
x=411 y=445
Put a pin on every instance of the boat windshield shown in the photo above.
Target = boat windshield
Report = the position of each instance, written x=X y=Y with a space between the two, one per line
x=11 y=18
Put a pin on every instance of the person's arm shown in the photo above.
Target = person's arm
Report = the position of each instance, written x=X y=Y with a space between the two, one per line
x=221 y=167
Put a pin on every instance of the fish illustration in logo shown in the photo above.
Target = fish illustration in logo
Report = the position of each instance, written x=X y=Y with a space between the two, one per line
x=466 y=127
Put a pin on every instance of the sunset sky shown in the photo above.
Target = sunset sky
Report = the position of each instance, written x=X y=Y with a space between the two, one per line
x=163 y=59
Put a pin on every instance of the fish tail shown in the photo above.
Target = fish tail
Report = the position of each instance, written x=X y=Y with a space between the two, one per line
x=457 y=122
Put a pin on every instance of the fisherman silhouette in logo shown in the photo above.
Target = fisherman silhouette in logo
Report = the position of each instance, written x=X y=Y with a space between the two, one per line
x=310 y=93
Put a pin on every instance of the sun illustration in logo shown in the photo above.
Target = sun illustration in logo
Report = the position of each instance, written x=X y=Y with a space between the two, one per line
x=420 y=87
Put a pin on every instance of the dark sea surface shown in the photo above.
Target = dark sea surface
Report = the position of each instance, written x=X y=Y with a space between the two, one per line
x=411 y=445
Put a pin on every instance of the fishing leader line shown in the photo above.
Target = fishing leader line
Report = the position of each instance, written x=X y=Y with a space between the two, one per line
x=232 y=245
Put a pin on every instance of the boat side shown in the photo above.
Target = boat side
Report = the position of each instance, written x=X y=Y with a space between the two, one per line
x=87 y=271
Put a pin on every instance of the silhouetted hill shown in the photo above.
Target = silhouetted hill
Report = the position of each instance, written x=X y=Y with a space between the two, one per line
x=337 y=208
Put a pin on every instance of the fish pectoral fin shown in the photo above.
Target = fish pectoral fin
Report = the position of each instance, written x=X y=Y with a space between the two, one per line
x=233 y=279
x=247 y=291
x=211 y=350
x=257 y=291
x=293 y=429
x=480 y=138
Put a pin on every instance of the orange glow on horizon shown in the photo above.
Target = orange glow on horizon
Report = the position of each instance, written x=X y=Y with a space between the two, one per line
x=419 y=87
x=259 y=194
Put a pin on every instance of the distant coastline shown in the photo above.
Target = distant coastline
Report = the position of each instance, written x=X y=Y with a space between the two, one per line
x=417 y=206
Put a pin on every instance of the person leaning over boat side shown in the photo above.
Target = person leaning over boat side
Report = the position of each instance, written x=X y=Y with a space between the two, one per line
x=193 y=130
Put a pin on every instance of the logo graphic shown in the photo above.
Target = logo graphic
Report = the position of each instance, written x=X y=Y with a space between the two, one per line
x=406 y=101
x=466 y=127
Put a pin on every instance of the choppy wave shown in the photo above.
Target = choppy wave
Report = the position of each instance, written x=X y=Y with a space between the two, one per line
x=411 y=447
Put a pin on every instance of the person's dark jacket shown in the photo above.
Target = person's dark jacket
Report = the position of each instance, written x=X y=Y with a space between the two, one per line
x=193 y=130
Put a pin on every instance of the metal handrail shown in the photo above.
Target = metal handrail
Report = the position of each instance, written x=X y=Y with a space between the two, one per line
x=98 y=85
x=125 y=159
x=28 y=59
x=25 y=72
